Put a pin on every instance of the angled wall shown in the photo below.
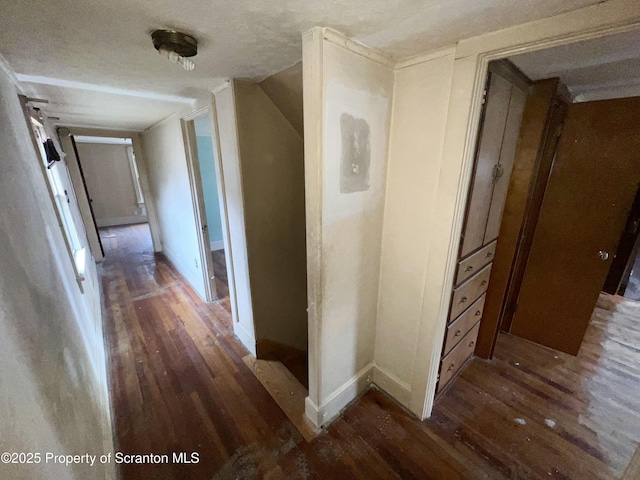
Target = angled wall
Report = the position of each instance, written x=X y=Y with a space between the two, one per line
x=272 y=168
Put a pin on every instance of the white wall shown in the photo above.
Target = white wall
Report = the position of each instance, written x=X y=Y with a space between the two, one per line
x=165 y=156
x=53 y=382
x=420 y=104
x=110 y=183
x=344 y=214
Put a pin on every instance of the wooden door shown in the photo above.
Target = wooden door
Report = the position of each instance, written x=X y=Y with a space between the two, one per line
x=493 y=125
x=589 y=195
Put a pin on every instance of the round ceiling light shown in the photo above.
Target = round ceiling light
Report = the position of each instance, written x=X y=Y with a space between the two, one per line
x=176 y=46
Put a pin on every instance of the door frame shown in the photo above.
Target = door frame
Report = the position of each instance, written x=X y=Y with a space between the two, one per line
x=143 y=173
x=467 y=84
x=197 y=200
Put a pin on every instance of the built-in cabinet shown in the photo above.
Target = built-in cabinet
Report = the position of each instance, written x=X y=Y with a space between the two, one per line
x=500 y=126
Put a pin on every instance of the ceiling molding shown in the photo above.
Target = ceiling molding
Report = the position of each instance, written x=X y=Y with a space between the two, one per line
x=58 y=82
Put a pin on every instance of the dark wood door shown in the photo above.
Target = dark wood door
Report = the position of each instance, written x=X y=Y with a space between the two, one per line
x=589 y=195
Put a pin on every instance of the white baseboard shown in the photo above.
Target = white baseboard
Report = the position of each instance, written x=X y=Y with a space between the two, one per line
x=339 y=399
x=112 y=222
x=396 y=388
x=245 y=338
x=217 y=245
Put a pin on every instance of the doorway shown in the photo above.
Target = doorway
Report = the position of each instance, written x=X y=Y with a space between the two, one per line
x=109 y=175
x=207 y=188
x=574 y=180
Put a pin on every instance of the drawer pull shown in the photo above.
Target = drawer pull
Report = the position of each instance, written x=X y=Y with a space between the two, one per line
x=489 y=254
x=458 y=333
x=469 y=268
x=478 y=312
x=463 y=299
x=451 y=367
x=484 y=282
x=472 y=343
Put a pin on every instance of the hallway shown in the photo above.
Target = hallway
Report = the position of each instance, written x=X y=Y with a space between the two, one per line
x=180 y=383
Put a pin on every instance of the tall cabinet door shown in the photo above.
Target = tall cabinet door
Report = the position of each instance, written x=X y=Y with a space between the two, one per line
x=498 y=100
x=505 y=164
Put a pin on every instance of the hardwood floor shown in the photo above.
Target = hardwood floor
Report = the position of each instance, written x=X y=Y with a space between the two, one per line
x=180 y=383
x=220 y=272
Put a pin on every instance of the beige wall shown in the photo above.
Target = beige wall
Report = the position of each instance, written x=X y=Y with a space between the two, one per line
x=285 y=91
x=53 y=384
x=420 y=104
x=271 y=158
x=109 y=181
x=351 y=94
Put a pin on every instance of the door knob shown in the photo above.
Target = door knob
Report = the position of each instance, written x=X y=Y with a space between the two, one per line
x=603 y=255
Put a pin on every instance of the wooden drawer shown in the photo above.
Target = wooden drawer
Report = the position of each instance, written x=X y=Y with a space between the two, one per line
x=475 y=262
x=452 y=363
x=463 y=324
x=468 y=292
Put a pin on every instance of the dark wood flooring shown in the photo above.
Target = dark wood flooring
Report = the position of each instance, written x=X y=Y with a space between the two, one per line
x=220 y=272
x=179 y=384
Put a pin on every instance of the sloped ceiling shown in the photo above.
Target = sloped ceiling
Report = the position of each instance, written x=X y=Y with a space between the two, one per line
x=106 y=44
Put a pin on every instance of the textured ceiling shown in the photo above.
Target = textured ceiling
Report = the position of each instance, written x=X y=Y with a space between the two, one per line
x=607 y=67
x=107 y=43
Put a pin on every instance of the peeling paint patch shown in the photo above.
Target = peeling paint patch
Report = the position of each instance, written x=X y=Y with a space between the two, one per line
x=520 y=421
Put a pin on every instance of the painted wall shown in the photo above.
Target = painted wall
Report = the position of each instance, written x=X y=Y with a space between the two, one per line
x=285 y=91
x=236 y=252
x=53 y=383
x=206 y=159
x=272 y=168
x=108 y=175
x=345 y=166
x=164 y=152
x=420 y=105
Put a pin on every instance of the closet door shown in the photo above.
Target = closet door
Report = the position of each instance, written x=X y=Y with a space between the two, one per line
x=505 y=164
x=498 y=98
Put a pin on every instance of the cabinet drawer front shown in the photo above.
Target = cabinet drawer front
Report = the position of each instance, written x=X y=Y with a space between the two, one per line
x=452 y=363
x=474 y=263
x=463 y=324
x=468 y=292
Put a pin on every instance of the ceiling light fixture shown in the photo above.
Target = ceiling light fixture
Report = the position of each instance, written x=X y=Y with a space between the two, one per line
x=176 y=46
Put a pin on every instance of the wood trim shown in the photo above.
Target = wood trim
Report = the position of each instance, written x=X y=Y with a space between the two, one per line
x=426 y=57
x=222 y=194
x=533 y=133
x=197 y=201
x=313 y=98
x=337 y=38
x=507 y=70
x=149 y=201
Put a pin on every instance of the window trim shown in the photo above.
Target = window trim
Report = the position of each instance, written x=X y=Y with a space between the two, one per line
x=77 y=253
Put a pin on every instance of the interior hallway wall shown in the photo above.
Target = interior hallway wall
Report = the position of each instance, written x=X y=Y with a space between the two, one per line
x=53 y=383
x=272 y=169
x=110 y=183
x=347 y=102
x=420 y=104
x=165 y=155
